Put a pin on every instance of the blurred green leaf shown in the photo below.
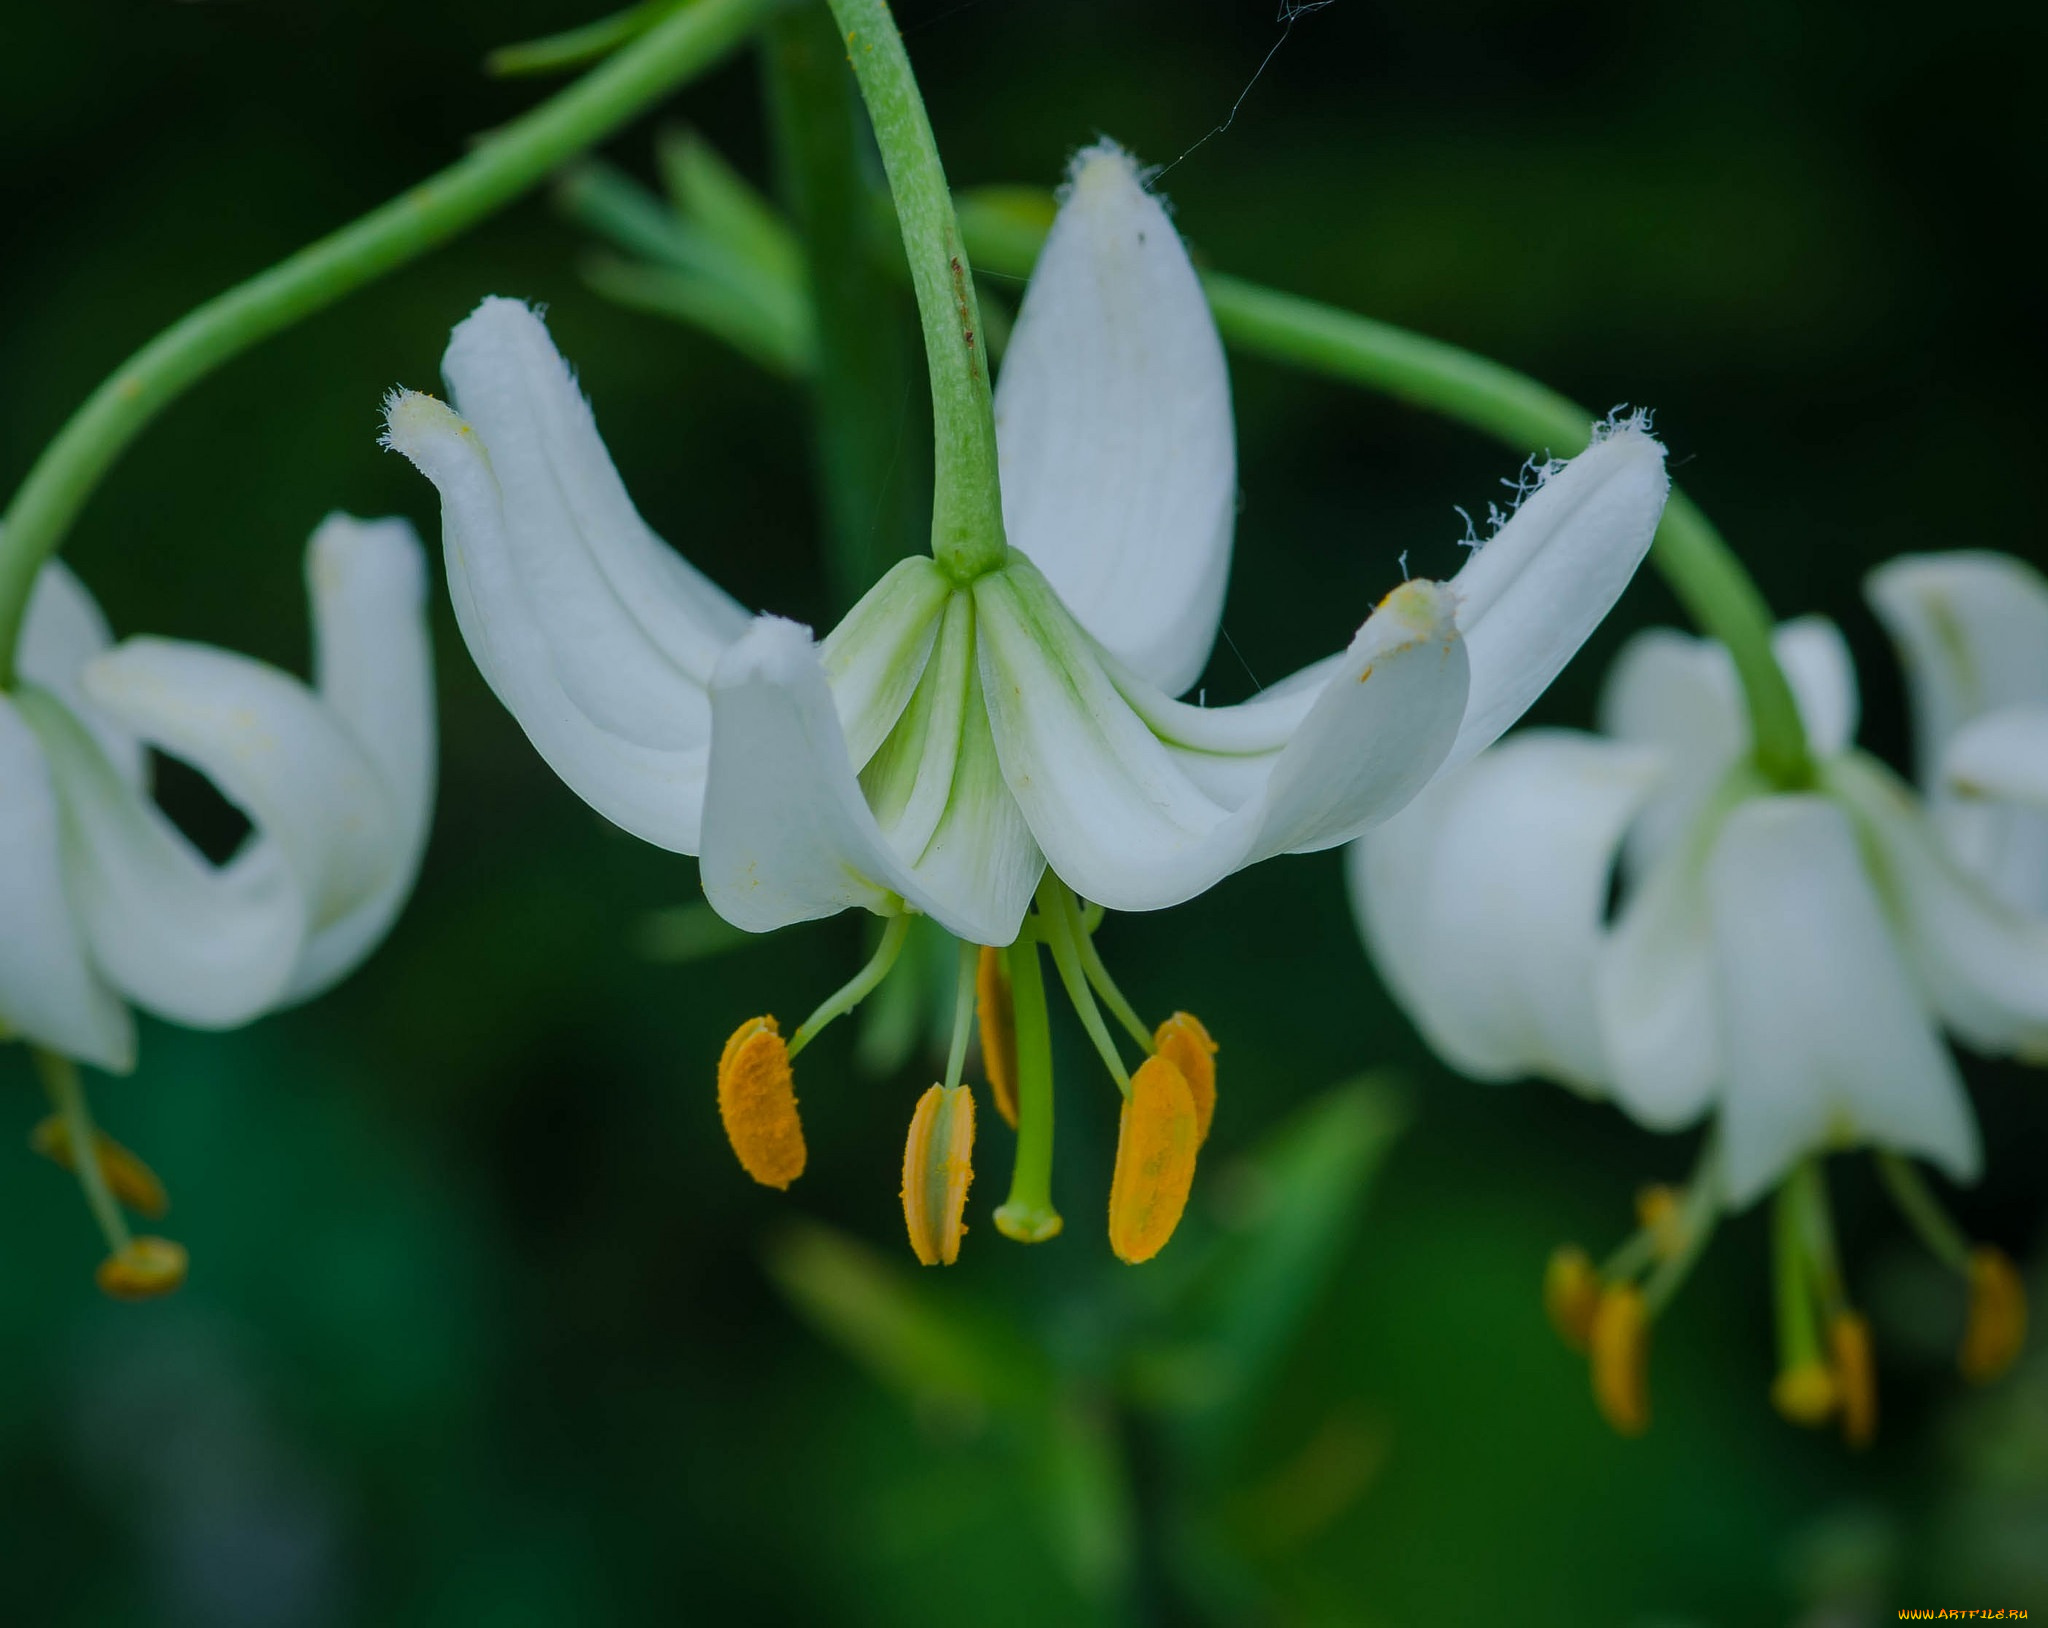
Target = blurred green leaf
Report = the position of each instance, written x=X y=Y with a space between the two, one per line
x=684 y=933
x=574 y=47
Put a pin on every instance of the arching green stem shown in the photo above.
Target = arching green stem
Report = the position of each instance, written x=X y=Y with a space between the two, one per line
x=1006 y=226
x=857 y=988
x=967 y=509
x=505 y=165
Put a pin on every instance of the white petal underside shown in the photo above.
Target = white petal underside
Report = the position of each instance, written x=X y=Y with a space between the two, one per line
x=1827 y=1042
x=61 y=631
x=1114 y=430
x=1482 y=903
x=2001 y=757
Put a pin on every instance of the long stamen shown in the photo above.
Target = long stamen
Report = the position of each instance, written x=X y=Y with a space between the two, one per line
x=1699 y=1212
x=857 y=988
x=135 y=1268
x=1997 y=1326
x=1028 y=1215
x=1098 y=974
x=1805 y=1390
x=1923 y=1212
x=963 y=1011
x=1060 y=934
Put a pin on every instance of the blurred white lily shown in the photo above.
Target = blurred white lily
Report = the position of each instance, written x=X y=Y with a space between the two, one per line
x=949 y=739
x=1783 y=960
x=107 y=902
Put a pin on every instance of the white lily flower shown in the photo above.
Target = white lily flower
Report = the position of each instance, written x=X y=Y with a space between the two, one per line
x=949 y=739
x=107 y=902
x=1784 y=960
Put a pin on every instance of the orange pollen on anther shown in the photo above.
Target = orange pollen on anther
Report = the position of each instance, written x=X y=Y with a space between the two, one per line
x=127 y=1177
x=1571 y=1294
x=1997 y=1326
x=1155 y=1161
x=938 y=1165
x=1855 y=1376
x=143 y=1269
x=1183 y=1042
x=757 y=1102
x=1620 y=1344
x=1660 y=1214
x=997 y=1019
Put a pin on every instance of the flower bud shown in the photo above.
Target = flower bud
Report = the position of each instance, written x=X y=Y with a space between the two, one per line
x=1571 y=1293
x=997 y=1019
x=1997 y=1326
x=757 y=1102
x=1806 y=1394
x=127 y=1177
x=143 y=1269
x=937 y=1167
x=1183 y=1042
x=1155 y=1161
x=1621 y=1358
x=1855 y=1376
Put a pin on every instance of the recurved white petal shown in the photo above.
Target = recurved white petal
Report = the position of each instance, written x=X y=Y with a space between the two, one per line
x=639 y=763
x=373 y=665
x=212 y=947
x=1983 y=963
x=1971 y=629
x=1680 y=695
x=788 y=835
x=1482 y=903
x=1114 y=431
x=1534 y=592
x=2001 y=757
x=62 y=630
x=1119 y=812
x=1827 y=1042
x=49 y=992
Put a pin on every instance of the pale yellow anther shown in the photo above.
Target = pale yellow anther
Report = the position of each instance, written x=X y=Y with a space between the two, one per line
x=127 y=1177
x=938 y=1165
x=1855 y=1376
x=1997 y=1327
x=757 y=1102
x=1155 y=1161
x=998 y=1023
x=1661 y=1214
x=1571 y=1294
x=1620 y=1348
x=1806 y=1394
x=1182 y=1041
x=143 y=1269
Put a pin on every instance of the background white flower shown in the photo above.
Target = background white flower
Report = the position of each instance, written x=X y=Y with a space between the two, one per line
x=949 y=739
x=107 y=901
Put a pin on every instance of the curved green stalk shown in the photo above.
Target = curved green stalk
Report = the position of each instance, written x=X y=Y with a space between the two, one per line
x=967 y=509
x=505 y=165
x=857 y=988
x=1006 y=226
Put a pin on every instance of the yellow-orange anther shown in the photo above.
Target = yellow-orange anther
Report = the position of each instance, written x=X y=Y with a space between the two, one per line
x=1855 y=1377
x=998 y=1021
x=128 y=1178
x=1659 y=1214
x=1621 y=1358
x=1155 y=1161
x=1806 y=1393
x=1571 y=1293
x=142 y=1269
x=757 y=1101
x=938 y=1163
x=1183 y=1042
x=1997 y=1327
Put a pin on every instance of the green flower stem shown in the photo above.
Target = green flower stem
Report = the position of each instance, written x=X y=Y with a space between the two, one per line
x=1056 y=910
x=1916 y=1201
x=857 y=988
x=1006 y=227
x=1105 y=986
x=963 y=1012
x=67 y=1095
x=1698 y=1215
x=873 y=473
x=499 y=170
x=967 y=509
x=1799 y=1341
x=1028 y=1216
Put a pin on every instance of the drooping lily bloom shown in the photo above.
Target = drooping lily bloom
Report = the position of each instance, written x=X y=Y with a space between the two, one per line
x=953 y=739
x=108 y=903
x=1784 y=962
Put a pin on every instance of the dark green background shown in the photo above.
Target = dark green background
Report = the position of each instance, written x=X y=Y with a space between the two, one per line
x=477 y=1330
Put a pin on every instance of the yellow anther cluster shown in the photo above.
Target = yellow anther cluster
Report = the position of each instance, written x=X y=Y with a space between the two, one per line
x=1183 y=1042
x=1855 y=1372
x=1997 y=1327
x=1620 y=1342
x=998 y=1023
x=143 y=1269
x=131 y=1181
x=1155 y=1160
x=938 y=1165
x=757 y=1102
x=1571 y=1294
